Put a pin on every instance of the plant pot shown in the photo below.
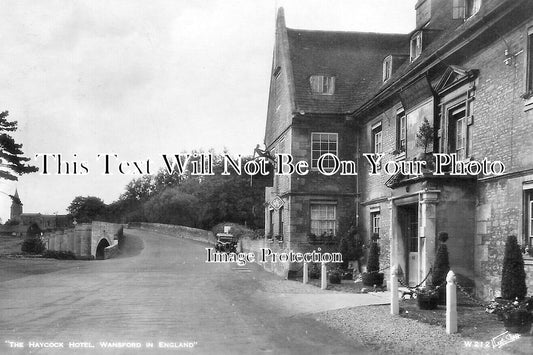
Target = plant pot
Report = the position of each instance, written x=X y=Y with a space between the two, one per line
x=334 y=278
x=502 y=301
x=518 y=321
x=347 y=275
x=373 y=278
x=314 y=272
x=441 y=294
x=427 y=301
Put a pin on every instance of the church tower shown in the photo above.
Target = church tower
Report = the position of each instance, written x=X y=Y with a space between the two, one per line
x=16 y=206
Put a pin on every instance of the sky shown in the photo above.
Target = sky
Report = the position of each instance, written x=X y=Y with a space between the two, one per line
x=143 y=78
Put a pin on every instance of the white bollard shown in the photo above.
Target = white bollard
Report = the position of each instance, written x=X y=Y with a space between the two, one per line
x=306 y=272
x=451 y=303
x=324 y=277
x=394 y=298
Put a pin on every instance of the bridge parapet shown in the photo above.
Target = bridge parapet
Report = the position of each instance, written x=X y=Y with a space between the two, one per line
x=87 y=241
x=199 y=235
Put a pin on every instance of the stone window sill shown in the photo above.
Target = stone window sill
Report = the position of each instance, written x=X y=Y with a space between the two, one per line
x=399 y=156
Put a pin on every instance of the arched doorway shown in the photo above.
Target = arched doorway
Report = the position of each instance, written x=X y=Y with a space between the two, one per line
x=100 y=249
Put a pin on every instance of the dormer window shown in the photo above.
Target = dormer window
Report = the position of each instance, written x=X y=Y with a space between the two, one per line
x=387 y=68
x=322 y=84
x=464 y=9
x=416 y=45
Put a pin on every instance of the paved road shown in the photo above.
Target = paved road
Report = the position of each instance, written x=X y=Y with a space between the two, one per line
x=162 y=293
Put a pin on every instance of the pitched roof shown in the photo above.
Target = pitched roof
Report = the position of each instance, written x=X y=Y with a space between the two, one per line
x=354 y=58
x=448 y=41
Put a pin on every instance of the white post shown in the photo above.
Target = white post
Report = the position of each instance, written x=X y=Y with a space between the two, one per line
x=451 y=303
x=394 y=301
x=306 y=272
x=324 y=277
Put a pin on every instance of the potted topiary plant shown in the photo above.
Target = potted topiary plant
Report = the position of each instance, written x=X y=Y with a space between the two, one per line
x=373 y=276
x=516 y=310
x=513 y=274
x=424 y=139
x=442 y=266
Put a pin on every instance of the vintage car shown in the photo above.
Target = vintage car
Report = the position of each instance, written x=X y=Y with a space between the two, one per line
x=226 y=243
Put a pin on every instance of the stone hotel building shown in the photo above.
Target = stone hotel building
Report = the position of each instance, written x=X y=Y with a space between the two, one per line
x=466 y=69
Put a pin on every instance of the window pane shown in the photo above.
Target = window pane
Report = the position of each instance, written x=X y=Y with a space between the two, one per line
x=321 y=84
x=323 y=218
x=323 y=143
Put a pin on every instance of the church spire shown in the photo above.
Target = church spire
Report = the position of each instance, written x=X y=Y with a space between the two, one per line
x=16 y=206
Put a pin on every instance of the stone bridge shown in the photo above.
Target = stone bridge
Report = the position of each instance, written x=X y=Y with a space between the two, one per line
x=96 y=240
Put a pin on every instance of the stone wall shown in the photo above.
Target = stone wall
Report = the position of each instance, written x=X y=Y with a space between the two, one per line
x=199 y=235
x=111 y=251
x=83 y=239
x=103 y=230
x=19 y=230
x=499 y=213
x=502 y=131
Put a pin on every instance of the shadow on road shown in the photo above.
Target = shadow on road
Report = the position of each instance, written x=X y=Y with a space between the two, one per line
x=133 y=245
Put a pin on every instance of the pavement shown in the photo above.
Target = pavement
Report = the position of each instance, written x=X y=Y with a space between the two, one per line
x=160 y=297
x=306 y=303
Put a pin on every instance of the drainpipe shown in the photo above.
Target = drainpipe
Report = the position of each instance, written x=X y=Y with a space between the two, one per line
x=358 y=162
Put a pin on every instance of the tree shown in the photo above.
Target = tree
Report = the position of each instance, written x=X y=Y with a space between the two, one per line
x=373 y=256
x=87 y=209
x=172 y=206
x=442 y=263
x=513 y=273
x=351 y=247
x=424 y=137
x=442 y=266
x=12 y=161
x=373 y=276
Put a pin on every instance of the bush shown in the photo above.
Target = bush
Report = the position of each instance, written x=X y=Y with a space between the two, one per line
x=513 y=273
x=373 y=276
x=34 y=231
x=442 y=266
x=314 y=271
x=373 y=258
x=334 y=277
x=33 y=246
x=62 y=255
x=442 y=263
x=351 y=247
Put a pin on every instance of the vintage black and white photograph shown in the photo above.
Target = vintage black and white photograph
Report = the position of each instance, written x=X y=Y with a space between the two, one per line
x=266 y=176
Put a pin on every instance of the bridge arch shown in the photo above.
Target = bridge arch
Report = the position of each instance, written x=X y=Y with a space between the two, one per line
x=100 y=248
